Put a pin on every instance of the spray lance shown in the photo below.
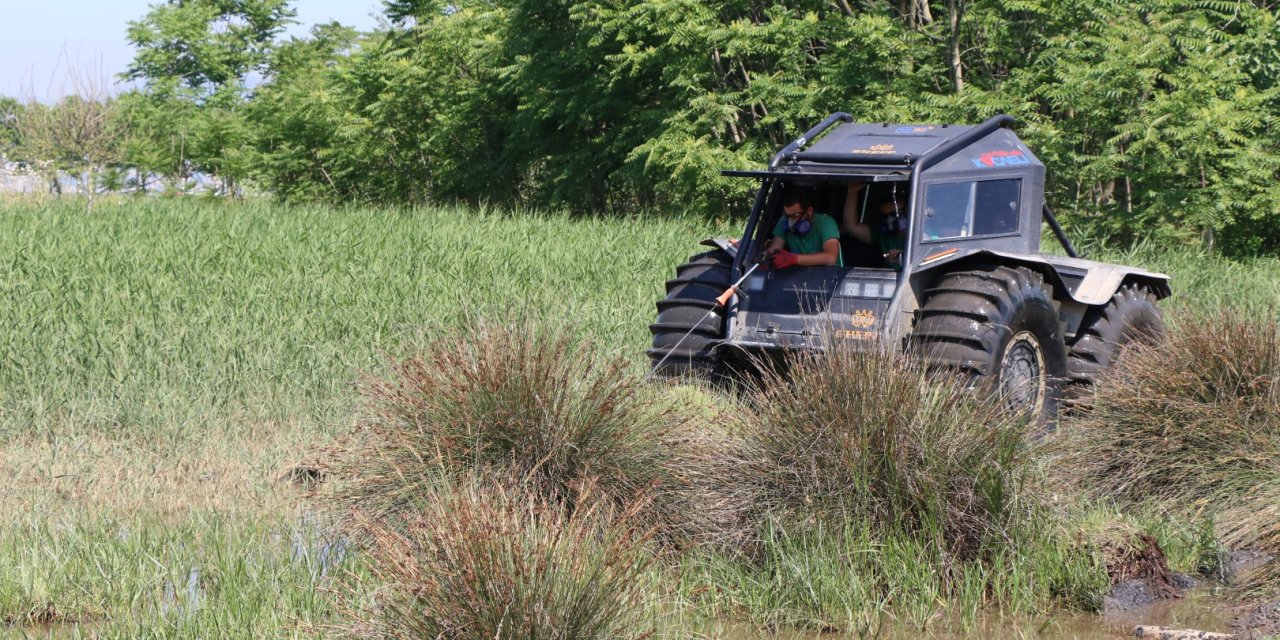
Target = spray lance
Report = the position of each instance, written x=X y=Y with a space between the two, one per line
x=721 y=301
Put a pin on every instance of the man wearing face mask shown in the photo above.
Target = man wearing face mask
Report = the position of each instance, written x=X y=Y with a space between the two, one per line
x=890 y=235
x=803 y=237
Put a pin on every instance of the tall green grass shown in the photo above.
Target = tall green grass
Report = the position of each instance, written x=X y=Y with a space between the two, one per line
x=163 y=314
x=850 y=578
x=202 y=575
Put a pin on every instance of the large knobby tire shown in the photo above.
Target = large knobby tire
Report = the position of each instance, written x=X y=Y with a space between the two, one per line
x=1130 y=317
x=690 y=308
x=1000 y=326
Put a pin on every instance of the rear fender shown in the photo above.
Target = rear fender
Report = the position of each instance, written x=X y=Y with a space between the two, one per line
x=1093 y=283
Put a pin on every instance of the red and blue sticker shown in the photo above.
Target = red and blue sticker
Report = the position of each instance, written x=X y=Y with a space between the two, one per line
x=1001 y=158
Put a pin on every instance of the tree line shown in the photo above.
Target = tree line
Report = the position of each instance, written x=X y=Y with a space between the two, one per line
x=1156 y=119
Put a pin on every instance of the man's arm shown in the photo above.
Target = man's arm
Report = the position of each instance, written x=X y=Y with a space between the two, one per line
x=859 y=230
x=828 y=257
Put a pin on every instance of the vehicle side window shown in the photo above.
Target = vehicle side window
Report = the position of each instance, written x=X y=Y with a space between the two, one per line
x=974 y=208
x=947 y=210
x=996 y=207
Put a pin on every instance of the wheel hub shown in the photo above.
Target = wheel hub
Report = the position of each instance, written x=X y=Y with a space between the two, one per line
x=1022 y=374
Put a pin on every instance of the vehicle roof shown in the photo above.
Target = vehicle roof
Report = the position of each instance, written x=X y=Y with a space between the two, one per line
x=891 y=151
x=887 y=139
x=838 y=149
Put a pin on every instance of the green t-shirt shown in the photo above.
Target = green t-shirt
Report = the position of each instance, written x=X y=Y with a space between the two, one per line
x=887 y=242
x=824 y=229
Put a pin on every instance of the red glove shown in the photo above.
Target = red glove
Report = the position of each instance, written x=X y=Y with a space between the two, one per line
x=783 y=259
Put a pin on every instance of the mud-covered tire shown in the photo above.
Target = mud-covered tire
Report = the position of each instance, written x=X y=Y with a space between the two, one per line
x=1130 y=317
x=1000 y=326
x=691 y=295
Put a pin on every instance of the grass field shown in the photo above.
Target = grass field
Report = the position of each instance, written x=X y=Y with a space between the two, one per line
x=166 y=363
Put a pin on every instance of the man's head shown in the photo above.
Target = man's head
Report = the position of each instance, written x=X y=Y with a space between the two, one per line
x=797 y=206
x=894 y=206
x=894 y=211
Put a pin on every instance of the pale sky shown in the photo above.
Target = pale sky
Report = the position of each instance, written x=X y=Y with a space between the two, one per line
x=38 y=36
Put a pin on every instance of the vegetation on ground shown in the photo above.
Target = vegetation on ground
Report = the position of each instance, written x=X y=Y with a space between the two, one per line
x=535 y=405
x=177 y=368
x=869 y=436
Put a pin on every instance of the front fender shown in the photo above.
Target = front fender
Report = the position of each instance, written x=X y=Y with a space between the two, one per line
x=727 y=245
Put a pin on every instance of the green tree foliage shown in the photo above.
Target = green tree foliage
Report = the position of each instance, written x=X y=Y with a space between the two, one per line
x=309 y=132
x=206 y=45
x=406 y=114
x=1156 y=120
x=10 y=111
x=195 y=57
x=78 y=135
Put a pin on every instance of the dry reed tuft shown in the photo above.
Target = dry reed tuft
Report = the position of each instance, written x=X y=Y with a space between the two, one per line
x=1262 y=584
x=1192 y=426
x=872 y=436
x=534 y=403
x=480 y=561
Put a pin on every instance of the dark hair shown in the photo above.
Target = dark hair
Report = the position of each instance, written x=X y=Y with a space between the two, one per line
x=899 y=203
x=797 y=195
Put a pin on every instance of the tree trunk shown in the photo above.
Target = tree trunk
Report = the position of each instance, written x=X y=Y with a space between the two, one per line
x=955 y=8
x=88 y=186
x=922 y=8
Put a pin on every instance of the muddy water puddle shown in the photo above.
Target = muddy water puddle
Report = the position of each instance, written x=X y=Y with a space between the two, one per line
x=1202 y=609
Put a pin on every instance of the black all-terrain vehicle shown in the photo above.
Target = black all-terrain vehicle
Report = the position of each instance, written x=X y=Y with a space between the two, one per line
x=971 y=290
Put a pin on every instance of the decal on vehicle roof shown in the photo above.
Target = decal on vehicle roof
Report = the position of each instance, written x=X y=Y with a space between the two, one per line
x=906 y=131
x=877 y=149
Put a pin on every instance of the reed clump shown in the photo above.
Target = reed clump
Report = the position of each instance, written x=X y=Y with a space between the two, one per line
x=883 y=491
x=510 y=482
x=1192 y=427
x=535 y=403
x=485 y=561
x=877 y=439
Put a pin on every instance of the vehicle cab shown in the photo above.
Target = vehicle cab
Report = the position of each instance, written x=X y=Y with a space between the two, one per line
x=954 y=187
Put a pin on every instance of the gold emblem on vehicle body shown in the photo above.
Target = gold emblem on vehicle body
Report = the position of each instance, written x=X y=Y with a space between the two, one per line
x=863 y=318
